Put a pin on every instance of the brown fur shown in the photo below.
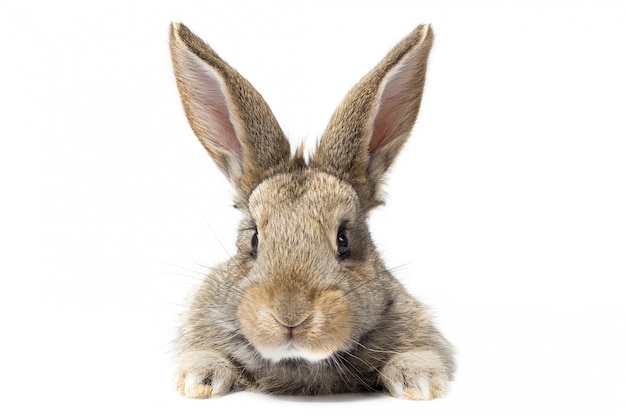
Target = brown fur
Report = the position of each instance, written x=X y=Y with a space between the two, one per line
x=293 y=315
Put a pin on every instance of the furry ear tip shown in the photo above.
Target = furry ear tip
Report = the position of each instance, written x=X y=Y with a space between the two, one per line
x=178 y=31
x=430 y=33
x=425 y=33
x=175 y=30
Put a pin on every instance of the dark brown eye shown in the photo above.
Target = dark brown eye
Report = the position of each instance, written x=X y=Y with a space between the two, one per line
x=343 y=244
x=254 y=243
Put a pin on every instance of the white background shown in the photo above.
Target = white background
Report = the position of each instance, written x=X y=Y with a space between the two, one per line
x=506 y=210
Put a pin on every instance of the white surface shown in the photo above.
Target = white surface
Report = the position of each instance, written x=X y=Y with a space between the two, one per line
x=505 y=210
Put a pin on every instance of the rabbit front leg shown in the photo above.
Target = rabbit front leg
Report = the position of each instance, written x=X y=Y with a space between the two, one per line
x=415 y=375
x=204 y=374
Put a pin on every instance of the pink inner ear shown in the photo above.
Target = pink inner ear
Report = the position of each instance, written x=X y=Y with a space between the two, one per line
x=212 y=108
x=393 y=117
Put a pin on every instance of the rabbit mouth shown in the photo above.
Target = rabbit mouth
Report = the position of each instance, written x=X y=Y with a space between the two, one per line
x=307 y=340
x=289 y=325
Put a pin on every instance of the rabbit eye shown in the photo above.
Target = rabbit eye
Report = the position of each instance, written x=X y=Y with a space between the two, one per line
x=343 y=244
x=254 y=243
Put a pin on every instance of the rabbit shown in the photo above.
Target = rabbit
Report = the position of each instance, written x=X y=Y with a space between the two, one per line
x=306 y=305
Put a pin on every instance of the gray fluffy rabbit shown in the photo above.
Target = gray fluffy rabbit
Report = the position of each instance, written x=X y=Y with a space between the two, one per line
x=306 y=305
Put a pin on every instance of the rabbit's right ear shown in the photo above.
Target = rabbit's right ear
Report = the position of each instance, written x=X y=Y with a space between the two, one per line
x=231 y=119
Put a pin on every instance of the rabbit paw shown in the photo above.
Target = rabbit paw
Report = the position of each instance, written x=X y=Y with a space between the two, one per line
x=417 y=375
x=204 y=374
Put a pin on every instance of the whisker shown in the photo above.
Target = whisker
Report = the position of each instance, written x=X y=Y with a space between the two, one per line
x=226 y=251
x=353 y=370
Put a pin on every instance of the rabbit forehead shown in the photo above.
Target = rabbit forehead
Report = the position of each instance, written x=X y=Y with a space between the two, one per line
x=303 y=196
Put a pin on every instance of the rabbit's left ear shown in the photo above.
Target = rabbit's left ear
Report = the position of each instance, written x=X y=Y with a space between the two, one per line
x=368 y=129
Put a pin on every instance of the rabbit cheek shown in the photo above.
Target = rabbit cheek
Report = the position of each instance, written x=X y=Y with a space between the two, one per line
x=331 y=323
x=317 y=328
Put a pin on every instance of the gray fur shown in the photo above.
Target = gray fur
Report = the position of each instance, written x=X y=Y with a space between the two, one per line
x=292 y=316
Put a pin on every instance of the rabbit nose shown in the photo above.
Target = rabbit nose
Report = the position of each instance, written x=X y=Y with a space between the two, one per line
x=291 y=323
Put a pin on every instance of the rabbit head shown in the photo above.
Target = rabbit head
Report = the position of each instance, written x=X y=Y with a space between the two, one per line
x=306 y=281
